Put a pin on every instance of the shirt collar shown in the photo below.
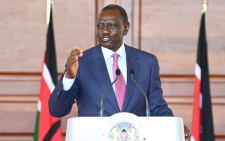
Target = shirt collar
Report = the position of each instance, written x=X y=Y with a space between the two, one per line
x=107 y=53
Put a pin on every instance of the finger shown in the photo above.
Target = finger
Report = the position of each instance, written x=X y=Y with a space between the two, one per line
x=75 y=53
x=76 y=50
x=81 y=54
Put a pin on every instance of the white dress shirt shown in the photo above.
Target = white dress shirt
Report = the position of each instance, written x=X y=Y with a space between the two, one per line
x=107 y=54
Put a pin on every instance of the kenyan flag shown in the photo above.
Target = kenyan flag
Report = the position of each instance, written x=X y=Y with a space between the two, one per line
x=202 y=125
x=48 y=128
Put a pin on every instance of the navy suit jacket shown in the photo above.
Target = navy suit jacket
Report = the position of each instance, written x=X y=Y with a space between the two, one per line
x=92 y=80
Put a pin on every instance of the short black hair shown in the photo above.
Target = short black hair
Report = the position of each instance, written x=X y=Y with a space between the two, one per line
x=117 y=7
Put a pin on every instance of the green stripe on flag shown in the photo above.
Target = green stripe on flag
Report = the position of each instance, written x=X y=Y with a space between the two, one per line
x=37 y=126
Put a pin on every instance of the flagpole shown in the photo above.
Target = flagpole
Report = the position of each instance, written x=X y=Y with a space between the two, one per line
x=204 y=10
x=49 y=4
x=204 y=5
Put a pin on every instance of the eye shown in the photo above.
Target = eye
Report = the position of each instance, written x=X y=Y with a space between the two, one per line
x=112 y=25
x=100 y=25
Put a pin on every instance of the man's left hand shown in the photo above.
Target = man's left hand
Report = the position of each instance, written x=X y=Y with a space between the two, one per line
x=187 y=133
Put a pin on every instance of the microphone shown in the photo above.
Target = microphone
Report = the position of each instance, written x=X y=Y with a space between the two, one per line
x=147 y=106
x=102 y=107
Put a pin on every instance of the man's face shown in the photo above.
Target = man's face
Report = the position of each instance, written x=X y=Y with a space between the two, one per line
x=111 y=29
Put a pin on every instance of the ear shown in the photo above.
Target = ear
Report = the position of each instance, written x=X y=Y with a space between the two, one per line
x=126 y=28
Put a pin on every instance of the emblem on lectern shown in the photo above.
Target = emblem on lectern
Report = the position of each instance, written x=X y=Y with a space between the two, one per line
x=123 y=131
x=123 y=127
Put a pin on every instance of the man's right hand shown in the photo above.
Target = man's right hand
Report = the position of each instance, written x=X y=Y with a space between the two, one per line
x=72 y=62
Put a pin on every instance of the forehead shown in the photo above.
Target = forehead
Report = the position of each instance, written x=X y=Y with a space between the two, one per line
x=109 y=15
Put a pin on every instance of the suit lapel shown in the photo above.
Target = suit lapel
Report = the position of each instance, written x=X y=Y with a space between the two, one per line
x=101 y=73
x=131 y=64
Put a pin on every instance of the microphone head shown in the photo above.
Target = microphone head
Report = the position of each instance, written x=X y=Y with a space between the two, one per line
x=131 y=71
x=117 y=72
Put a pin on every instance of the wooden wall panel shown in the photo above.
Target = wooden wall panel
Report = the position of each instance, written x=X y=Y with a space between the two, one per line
x=171 y=33
x=16 y=138
x=19 y=85
x=23 y=32
x=185 y=111
x=136 y=40
x=220 y=138
x=74 y=24
x=22 y=43
x=128 y=6
x=167 y=29
x=185 y=86
x=19 y=117
x=22 y=35
x=19 y=101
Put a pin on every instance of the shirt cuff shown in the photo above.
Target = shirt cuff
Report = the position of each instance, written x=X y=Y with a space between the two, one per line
x=67 y=82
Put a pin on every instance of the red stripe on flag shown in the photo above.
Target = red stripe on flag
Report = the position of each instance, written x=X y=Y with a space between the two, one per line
x=196 y=124
x=46 y=120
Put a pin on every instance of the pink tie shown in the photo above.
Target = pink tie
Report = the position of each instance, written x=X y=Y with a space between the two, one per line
x=120 y=84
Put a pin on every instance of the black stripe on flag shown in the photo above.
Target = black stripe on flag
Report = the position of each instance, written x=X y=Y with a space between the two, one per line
x=52 y=131
x=51 y=64
x=50 y=59
x=207 y=133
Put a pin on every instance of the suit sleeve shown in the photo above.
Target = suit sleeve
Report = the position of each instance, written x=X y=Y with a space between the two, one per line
x=60 y=101
x=157 y=104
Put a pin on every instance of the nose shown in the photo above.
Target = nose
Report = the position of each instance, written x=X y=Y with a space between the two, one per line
x=106 y=30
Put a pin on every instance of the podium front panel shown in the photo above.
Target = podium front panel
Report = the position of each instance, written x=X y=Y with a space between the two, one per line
x=157 y=128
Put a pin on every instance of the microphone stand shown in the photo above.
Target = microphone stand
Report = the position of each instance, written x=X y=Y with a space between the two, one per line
x=102 y=107
x=146 y=99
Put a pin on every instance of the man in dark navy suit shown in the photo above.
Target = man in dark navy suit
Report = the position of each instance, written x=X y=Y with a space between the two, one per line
x=89 y=73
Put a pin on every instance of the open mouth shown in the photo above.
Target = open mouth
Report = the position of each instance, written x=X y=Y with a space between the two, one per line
x=105 y=39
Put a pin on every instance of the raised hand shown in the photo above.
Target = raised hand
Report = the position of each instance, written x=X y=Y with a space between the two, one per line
x=72 y=62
